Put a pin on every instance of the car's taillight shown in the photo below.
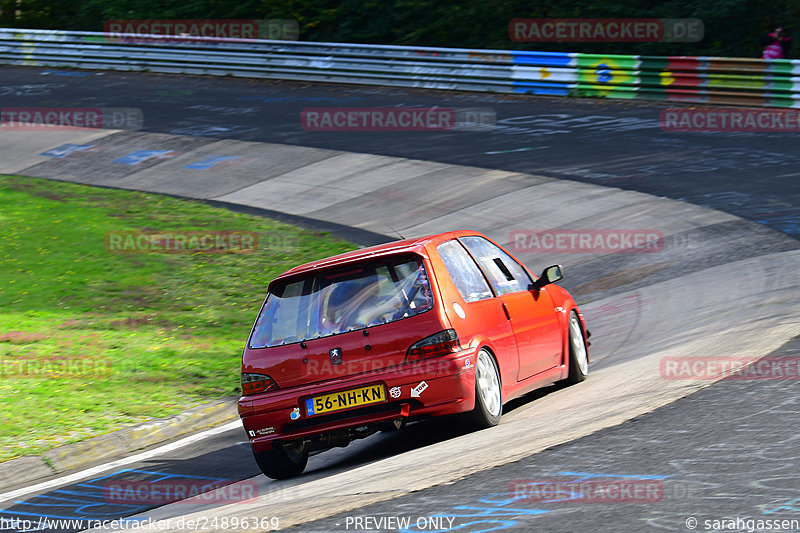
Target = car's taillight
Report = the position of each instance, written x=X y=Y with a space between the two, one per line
x=441 y=343
x=253 y=383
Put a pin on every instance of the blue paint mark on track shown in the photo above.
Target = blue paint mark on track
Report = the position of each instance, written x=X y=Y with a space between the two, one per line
x=209 y=162
x=552 y=89
x=66 y=149
x=93 y=499
x=140 y=156
x=66 y=73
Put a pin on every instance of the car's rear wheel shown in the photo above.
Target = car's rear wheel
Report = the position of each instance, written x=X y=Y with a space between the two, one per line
x=578 y=355
x=488 y=393
x=281 y=463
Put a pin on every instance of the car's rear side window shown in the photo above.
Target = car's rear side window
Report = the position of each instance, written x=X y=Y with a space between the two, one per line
x=292 y=304
x=505 y=274
x=343 y=299
x=465 y=274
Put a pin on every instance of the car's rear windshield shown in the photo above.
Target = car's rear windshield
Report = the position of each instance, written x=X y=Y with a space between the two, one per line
x=344 y=299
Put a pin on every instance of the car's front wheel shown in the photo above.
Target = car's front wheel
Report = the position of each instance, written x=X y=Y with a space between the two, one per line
x=488 y=393
x=281 y=463
x=578 y=355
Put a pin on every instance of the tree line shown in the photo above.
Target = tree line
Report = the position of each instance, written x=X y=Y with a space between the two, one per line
x=732 y=28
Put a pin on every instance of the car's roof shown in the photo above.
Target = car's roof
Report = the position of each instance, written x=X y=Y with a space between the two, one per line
x=415 y=244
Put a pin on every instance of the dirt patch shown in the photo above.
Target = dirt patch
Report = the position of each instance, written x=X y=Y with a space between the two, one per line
x=22 y=337
x=35 y=190
x=139 y=322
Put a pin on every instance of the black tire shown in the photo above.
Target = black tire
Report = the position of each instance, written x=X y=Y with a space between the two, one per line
x=488 y=393
x=281 y=463
x=578 y=355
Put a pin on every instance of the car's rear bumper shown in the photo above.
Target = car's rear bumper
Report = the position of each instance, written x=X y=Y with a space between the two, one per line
x=280 y=415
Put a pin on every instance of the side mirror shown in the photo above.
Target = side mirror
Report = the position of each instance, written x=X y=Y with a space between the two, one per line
x=550 y=274
x=553 y=273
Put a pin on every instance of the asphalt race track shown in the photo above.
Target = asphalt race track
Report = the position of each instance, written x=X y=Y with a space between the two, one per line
x=706 y=457
x=725 y=451
x=608 y=142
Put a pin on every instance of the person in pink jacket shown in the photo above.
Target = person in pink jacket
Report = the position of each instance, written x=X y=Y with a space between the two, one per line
x=777 y=45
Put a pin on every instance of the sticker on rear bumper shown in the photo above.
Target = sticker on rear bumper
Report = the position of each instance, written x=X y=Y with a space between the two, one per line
x=261 y=432
x=416 y=391
x=394 y=392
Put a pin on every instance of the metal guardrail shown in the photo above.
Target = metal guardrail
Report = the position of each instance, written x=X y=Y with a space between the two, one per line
x=711 y=80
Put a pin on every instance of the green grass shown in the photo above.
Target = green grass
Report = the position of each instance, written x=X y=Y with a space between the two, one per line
x=111 y=339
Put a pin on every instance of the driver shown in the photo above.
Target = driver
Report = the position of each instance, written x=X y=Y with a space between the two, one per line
x=348 y=305
x=336 y=308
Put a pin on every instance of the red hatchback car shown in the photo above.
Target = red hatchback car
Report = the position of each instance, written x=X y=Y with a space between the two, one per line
x=373 y=338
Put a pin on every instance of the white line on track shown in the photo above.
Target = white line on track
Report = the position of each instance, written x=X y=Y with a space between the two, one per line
x=120 y=462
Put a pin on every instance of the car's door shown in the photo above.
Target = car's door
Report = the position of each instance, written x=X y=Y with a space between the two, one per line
x=531 y=313
x=482 y=313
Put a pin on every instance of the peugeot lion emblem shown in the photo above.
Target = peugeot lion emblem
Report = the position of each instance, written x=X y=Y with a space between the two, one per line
x=336 y=355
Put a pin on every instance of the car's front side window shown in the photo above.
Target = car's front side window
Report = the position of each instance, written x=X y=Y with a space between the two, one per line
x=505 y=274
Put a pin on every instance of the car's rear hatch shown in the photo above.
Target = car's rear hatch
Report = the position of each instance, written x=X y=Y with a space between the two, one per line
x=342 y=321
x=384 y=346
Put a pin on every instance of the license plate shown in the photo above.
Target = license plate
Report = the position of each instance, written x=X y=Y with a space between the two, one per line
x=345 y=399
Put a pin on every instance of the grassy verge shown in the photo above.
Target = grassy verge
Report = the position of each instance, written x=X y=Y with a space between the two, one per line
x=92 y=340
